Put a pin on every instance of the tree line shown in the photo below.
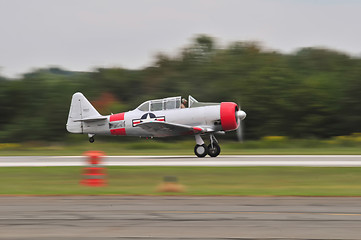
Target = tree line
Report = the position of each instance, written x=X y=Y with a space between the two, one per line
x=311 y=93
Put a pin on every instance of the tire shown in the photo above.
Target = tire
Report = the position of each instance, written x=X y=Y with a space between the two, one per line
x=215 y=151
x=200 y=150
x=91 y=140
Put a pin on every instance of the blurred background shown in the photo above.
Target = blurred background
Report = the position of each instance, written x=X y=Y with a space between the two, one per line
x=294 y=66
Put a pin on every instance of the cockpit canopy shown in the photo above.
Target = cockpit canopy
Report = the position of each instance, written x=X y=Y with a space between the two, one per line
x=171 y=103
x=161 y=104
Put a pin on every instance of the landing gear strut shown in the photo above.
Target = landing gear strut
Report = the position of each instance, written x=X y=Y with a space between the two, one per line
x=201 y=150
x=213 y=148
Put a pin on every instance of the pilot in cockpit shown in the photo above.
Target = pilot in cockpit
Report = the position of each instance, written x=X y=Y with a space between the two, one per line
x=184 y=103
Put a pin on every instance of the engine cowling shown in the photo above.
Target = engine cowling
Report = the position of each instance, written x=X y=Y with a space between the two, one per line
x=228 y=116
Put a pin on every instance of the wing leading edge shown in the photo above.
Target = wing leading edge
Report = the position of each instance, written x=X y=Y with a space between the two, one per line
x=164 y=129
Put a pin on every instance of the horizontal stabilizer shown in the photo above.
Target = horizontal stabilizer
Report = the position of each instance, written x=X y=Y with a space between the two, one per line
x=90 y=119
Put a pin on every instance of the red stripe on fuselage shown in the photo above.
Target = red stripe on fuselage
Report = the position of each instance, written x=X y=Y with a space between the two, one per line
x=116 y=117
x=119 y=131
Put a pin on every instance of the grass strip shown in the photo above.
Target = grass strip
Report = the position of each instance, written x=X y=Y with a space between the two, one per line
x=241 y=181
x=182 y=151
x=161 y=147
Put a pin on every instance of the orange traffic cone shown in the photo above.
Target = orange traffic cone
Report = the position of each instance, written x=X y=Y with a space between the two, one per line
x=94 y=172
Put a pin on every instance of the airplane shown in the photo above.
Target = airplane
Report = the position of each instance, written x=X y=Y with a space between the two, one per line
x=159 y=118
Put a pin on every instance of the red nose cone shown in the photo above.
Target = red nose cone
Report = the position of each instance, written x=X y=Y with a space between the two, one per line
x=228 y=116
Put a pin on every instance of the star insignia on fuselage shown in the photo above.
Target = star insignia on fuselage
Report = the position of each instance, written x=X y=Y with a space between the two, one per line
x=148 y=117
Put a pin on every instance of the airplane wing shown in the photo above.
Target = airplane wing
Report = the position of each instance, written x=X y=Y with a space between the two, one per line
x=164 y=129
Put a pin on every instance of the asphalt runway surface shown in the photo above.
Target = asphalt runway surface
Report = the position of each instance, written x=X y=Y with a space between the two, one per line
x=166 y=217
x=222 y=160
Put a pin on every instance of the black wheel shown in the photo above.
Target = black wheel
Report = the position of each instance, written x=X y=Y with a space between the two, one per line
x=215 y=150
x=91 y=140
x=200 y=150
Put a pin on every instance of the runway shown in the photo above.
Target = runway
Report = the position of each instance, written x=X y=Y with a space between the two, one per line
x=122 y=217
x=223 y=160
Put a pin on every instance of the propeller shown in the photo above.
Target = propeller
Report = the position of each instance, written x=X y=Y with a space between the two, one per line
x=240 y=115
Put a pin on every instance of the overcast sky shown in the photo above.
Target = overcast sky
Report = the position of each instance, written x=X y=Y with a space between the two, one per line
x=83 y=34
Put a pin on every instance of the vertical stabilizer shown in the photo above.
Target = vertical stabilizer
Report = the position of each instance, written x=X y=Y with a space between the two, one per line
x=80 y=108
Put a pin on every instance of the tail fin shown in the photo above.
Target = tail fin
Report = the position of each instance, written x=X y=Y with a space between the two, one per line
x=80 y=109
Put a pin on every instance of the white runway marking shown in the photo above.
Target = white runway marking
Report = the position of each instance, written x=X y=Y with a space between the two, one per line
x=225 y=160
x=222 y=156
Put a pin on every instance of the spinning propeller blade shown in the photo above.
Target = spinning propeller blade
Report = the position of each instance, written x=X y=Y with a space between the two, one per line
x=240 y=116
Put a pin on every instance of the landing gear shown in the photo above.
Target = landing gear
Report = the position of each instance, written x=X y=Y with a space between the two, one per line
x=201 y=150
x=213 y=148
x=91 y=138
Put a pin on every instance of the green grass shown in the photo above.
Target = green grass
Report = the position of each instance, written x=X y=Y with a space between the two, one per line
x=161 y=147
x=241 y=181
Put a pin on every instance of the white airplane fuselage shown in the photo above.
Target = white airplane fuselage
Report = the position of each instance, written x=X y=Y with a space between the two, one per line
x=126 y=123
x=156 y=118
